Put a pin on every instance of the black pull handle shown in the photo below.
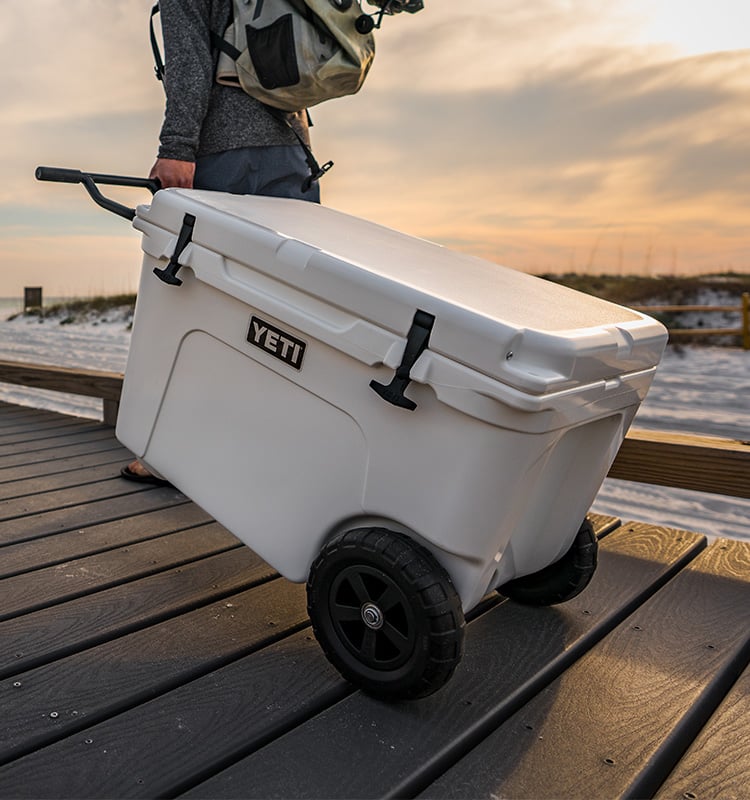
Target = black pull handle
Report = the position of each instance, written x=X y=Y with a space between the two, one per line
x=90 y=181
x=416 y=343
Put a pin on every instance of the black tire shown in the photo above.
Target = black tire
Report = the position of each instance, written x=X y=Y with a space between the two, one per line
x=562 y=580
x=385 y=613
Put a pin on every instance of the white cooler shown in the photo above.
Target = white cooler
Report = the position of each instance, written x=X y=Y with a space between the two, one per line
x=308 y=374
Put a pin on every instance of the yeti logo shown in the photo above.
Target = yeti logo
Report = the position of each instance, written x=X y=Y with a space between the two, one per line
x=283 y=346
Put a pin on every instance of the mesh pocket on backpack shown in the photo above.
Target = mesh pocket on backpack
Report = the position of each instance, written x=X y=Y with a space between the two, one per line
x=272 y=52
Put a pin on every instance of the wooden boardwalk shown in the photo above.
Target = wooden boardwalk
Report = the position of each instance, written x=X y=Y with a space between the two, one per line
x=145 y=652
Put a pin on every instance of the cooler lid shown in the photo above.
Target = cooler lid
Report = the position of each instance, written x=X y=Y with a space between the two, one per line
x=525 y=331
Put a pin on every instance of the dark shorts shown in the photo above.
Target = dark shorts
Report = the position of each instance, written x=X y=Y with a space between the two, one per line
x=274 y=171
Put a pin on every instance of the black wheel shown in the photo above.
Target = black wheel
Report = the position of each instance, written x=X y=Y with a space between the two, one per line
x=562 y=580
x=385 y=613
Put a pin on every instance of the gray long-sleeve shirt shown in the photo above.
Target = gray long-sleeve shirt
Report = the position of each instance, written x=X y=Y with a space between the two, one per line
x=202 y=116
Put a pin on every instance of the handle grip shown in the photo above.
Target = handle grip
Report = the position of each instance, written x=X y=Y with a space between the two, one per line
x=59 y=174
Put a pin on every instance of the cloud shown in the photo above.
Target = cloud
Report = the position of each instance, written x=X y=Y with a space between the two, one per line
x=78 y=91
x=566 y=135
x=541 y=135
x=491 y=43
x=78 y=58
x=613 y=163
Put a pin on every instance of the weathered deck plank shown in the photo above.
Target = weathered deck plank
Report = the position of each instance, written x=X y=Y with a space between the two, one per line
x=53 y=474
x=183 y=735
x=50 y=550
x=46 y=441
x=51 y=633
x=144 y=652
x=135 y=500
x=664 y=669
x=23 y=487
x=46 y=458
x=58 y=584
x=512 y=652
x=718 y=761
x=74 y=692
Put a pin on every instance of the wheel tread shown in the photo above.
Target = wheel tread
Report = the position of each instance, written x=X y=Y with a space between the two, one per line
x=438 y=602
x=562 y=580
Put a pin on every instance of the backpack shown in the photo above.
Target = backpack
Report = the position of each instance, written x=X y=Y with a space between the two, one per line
x=293 y=54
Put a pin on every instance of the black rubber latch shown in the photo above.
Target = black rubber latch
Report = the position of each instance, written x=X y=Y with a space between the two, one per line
x=185 y=236
x=416 y=343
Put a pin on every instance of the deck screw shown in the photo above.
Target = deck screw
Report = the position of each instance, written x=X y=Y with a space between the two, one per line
x=509 y=355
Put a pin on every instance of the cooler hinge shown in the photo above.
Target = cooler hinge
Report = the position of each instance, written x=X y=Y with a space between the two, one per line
x=416 y=343
x=185 y=236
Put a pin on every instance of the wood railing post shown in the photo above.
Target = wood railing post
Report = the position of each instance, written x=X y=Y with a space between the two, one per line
x=743 y=331
x=110 y=409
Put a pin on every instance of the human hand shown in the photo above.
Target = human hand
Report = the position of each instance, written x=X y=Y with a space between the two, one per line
x=173 y=173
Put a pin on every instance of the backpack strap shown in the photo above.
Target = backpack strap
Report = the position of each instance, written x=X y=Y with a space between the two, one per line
x=316 y=170
x=220 y=43
x=158 y=60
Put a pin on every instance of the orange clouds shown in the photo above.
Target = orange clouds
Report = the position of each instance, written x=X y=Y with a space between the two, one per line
x=546 y=136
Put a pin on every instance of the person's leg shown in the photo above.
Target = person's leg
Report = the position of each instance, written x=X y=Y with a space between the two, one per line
x=283 y=172
x=273 y=171
x=235 y=171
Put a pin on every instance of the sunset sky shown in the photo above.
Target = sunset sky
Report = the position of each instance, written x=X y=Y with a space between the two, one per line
x=549 y=136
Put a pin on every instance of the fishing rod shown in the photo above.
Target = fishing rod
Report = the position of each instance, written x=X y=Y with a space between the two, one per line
x=367 y=22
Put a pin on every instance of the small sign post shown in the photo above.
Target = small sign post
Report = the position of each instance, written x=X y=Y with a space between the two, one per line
x=32 y=297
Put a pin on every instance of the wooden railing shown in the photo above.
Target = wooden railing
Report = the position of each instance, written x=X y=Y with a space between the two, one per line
x=87 y=382
x=743 y=331
x=686 y=461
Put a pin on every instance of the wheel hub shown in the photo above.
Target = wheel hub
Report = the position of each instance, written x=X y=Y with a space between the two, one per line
x=372 y=616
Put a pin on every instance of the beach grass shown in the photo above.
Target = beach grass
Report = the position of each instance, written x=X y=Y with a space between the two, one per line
x=666 y=290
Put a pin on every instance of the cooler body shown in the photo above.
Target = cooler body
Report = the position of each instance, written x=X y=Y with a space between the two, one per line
x=248 y=386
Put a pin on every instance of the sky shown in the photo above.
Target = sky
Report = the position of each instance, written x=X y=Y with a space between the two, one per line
x=546 y=136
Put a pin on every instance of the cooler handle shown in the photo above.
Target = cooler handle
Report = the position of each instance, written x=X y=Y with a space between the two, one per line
x=90 y=181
